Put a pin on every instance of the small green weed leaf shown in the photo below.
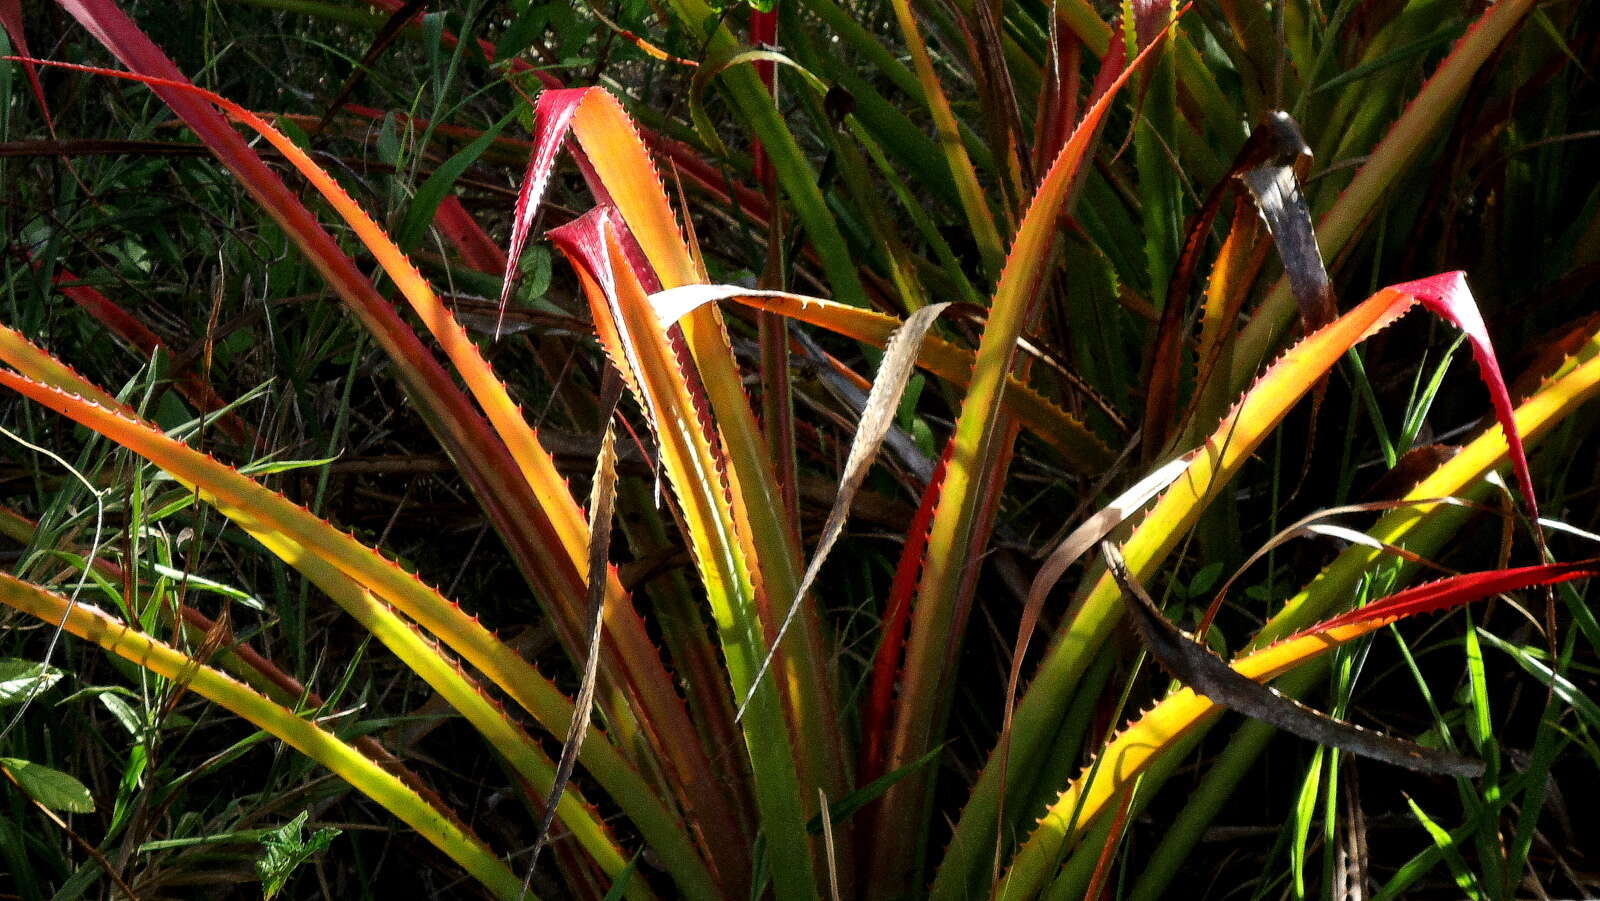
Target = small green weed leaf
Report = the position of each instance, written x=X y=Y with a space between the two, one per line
x=93 y=691
x=295 y=133
x=536 y=268
x=286 y=849
x=1205 y=579
x=52 y=788
x=23 y=679
x=130 y=783
x=1443 y=36
x=719 y=63
x=430 y=820
x=1446 y=843
x=1417 y=411
x=1305 y=811
x=388 y=142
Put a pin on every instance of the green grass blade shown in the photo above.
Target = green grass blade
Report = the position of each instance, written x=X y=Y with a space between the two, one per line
x=310 y=739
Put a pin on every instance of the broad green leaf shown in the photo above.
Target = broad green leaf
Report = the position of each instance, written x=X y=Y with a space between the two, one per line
x=286 y=848
x=52 y=788
x=201 y=583
x=124 y=713
x=274 y=467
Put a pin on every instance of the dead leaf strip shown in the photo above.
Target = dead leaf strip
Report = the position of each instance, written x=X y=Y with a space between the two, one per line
x=899 y=359
x=602 y=500
x=1197 y=668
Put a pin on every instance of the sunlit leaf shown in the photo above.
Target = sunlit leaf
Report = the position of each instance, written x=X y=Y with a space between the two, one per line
x=21 y=680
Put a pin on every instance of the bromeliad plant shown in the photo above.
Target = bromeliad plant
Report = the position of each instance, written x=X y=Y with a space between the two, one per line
x=770 y=772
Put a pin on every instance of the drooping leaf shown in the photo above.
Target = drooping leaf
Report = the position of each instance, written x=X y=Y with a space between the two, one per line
x=516 y=510
x=1277 y=194
x=1164 y=359
x=1088 y=534
x=1081 y=447
x=1417 y=128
